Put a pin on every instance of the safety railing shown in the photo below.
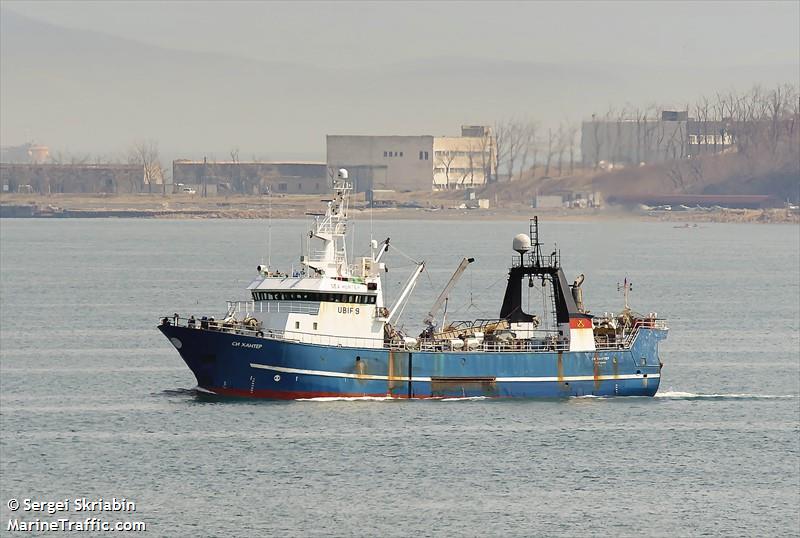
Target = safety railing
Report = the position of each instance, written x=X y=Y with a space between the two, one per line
x=547 y=344
x=253 y=328
x=627 y=337
x=489 y=346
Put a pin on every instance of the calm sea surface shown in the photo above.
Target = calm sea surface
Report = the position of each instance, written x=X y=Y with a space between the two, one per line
x=94 y=402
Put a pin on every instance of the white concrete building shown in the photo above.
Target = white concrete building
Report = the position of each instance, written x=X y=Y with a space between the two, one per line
x=414 y=163
x=400 y=163
x=464 y=161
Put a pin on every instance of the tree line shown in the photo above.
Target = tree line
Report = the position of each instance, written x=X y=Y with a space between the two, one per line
x=758 y=124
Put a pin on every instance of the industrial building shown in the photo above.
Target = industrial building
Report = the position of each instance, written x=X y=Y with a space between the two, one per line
x=416 y=163
x=611 y=143
x=234 y=177
x=29 y=168
x=74 y=178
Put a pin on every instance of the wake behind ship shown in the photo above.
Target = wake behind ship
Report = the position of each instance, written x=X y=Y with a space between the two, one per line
x=325 y=331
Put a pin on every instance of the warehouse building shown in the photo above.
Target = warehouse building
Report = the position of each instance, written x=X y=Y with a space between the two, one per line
x=74 y=178
x=235 y=177
x=416 y=163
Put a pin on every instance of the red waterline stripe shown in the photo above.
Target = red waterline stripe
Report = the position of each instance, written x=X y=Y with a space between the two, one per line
x=294 y=395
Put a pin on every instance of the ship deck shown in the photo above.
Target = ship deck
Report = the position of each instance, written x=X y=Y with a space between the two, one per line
x=545 y=344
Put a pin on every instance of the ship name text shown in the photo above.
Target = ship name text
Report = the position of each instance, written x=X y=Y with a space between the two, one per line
x=247 y=345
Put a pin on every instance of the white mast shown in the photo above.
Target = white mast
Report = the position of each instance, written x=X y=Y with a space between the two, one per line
x=331 y=260
x=625 y=288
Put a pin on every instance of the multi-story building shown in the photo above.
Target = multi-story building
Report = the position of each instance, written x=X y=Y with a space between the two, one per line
x=464 y=161
x=401 y=163
x=414 y=163
x=213 y=177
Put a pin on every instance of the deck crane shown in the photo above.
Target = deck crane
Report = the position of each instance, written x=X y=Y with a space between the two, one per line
x=397 y=307
x=429 y=319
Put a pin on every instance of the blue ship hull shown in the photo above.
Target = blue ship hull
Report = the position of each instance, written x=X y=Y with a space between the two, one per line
x=231 y=364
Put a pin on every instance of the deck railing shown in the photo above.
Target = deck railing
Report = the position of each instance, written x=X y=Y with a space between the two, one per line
x=628 y=336
x=546 y=344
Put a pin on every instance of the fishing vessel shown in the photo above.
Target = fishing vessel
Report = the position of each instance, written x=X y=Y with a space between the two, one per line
x=325 y=330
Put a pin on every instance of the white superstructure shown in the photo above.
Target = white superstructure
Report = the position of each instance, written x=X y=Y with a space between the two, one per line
x=329 y=301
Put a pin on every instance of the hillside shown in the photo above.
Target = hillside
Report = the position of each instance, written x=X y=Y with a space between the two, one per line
x=86 y=91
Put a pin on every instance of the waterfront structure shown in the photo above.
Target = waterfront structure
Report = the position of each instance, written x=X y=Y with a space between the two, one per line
x=416 y=163
x=217 y=177
x=74 y=178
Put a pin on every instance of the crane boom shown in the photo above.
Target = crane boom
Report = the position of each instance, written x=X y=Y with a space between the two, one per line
x=382 y=251
x=394 y=313
x=446 y=291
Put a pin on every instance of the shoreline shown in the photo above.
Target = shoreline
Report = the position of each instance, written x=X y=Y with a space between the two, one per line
x=297 y=207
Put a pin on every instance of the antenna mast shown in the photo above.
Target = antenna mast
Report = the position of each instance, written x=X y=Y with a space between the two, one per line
x=536 y=251
x=626 y=287
x=269 y=232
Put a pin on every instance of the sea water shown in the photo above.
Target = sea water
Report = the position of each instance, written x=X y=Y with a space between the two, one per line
x=95 y=402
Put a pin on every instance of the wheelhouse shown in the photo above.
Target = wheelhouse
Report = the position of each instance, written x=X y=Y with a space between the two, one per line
x=315 y=296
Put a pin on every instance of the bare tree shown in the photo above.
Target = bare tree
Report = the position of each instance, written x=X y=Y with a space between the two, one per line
x=793 y=112
x=650 y=133
x=549 y=154
x=640 y=117
x=235 y=173
x=571 y=134
x=445 y=158
x=500 y=138
x=620 y=117
x=597 y=139
x=776 y=110
x=564 y=137
x=145 y=153
x=513 y=139
x=472 y=148
x=487 y=157
x=510 y=136
x=75 y=172
x=528 y=147
x=600 y=135
x=696 y=170
x=675 y=174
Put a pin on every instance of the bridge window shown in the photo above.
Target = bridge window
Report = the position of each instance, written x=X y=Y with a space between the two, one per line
x=324 y=297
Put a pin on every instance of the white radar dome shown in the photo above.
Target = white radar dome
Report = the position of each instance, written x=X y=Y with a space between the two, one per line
x=522 y=243
x=342 y=173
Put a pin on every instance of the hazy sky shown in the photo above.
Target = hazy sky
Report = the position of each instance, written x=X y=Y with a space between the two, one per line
x=274 y=78
x=368 y=33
